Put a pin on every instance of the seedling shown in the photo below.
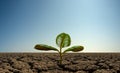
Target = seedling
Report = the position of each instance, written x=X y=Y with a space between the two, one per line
x=62 y=40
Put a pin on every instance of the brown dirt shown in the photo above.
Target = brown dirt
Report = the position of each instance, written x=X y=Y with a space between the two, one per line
x=48 y=63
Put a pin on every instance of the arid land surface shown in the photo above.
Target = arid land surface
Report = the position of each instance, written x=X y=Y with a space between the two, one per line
x=49 y=63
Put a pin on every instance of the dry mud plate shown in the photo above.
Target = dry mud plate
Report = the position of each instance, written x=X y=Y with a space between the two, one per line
x=48 y=63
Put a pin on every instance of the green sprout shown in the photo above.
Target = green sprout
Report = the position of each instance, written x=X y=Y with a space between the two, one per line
x=62 y=40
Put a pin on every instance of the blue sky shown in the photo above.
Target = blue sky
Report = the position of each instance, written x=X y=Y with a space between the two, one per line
x=95 y=24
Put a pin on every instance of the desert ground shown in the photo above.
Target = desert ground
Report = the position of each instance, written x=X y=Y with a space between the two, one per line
x=49 y=63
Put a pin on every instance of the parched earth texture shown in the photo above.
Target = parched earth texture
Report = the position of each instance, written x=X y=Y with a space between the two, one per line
x=49 y=63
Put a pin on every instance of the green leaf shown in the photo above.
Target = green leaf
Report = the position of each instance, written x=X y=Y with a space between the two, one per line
x=74 y=49
x=63 y=40
x=44 y=47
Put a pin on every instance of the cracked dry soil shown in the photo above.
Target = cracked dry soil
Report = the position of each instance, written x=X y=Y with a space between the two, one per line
x=48 y=63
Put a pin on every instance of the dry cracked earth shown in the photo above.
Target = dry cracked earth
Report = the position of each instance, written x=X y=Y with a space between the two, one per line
x=48 y=63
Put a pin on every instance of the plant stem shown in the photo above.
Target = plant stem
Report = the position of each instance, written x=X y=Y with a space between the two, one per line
x=60 y=55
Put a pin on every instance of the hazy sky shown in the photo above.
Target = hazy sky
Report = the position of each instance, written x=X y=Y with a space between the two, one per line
x=94 y=24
